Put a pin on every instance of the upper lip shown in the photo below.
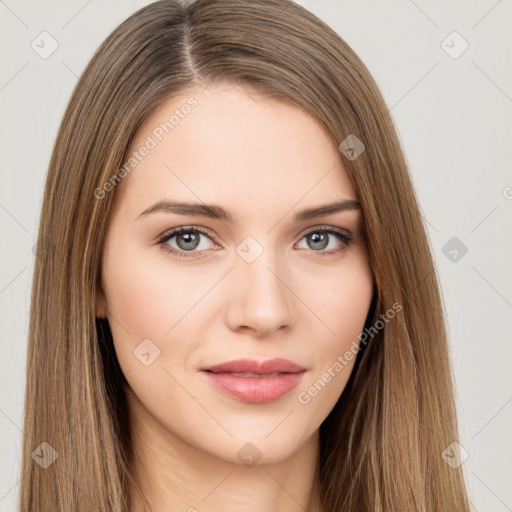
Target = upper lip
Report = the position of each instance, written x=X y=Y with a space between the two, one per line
x=258 y=367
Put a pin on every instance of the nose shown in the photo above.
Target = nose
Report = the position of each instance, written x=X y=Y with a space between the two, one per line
x=260 y=296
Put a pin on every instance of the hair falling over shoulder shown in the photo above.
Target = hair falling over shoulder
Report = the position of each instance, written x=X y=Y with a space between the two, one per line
x=382 y=444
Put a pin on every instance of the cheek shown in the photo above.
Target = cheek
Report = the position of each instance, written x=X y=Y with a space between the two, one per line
x=144 y=289
x=135 y=300
x=143 y=300
x=341 y=306
x=349 y=307
x=151 y=297
x=341 y=301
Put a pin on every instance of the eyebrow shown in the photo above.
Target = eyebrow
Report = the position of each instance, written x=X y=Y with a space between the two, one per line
x=217 y=212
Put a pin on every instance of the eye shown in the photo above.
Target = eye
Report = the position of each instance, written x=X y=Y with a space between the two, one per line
x=188 y=239
x=318 y=239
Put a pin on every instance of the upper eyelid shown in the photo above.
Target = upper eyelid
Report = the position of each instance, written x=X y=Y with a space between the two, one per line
x=175 y=231
x=207 y=232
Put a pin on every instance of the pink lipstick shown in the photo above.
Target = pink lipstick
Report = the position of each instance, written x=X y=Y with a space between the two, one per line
x=253 y=381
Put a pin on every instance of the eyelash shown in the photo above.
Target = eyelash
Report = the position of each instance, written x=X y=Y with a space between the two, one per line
x=338 y=233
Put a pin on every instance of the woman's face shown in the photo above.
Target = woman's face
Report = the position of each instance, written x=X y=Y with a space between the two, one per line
x=259 y=283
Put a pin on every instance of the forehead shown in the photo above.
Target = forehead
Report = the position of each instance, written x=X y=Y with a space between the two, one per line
x=229 y=145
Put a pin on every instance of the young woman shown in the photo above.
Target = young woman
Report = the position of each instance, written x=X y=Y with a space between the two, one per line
x=234 y=304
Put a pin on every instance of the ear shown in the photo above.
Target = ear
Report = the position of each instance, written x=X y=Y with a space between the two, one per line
x=101 y=300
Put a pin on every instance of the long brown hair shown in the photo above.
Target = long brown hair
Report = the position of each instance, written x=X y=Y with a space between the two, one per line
x=382 y=444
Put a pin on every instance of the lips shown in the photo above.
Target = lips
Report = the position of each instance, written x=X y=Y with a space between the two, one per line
x=255 y=367
x=256 y=382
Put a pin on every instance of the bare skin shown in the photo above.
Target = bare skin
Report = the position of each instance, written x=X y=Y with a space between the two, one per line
x=263 y=161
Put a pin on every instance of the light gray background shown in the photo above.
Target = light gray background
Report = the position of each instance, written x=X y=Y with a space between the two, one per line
x=453 y=116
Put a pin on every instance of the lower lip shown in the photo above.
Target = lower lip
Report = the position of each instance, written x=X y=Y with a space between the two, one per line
x=254 y=390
